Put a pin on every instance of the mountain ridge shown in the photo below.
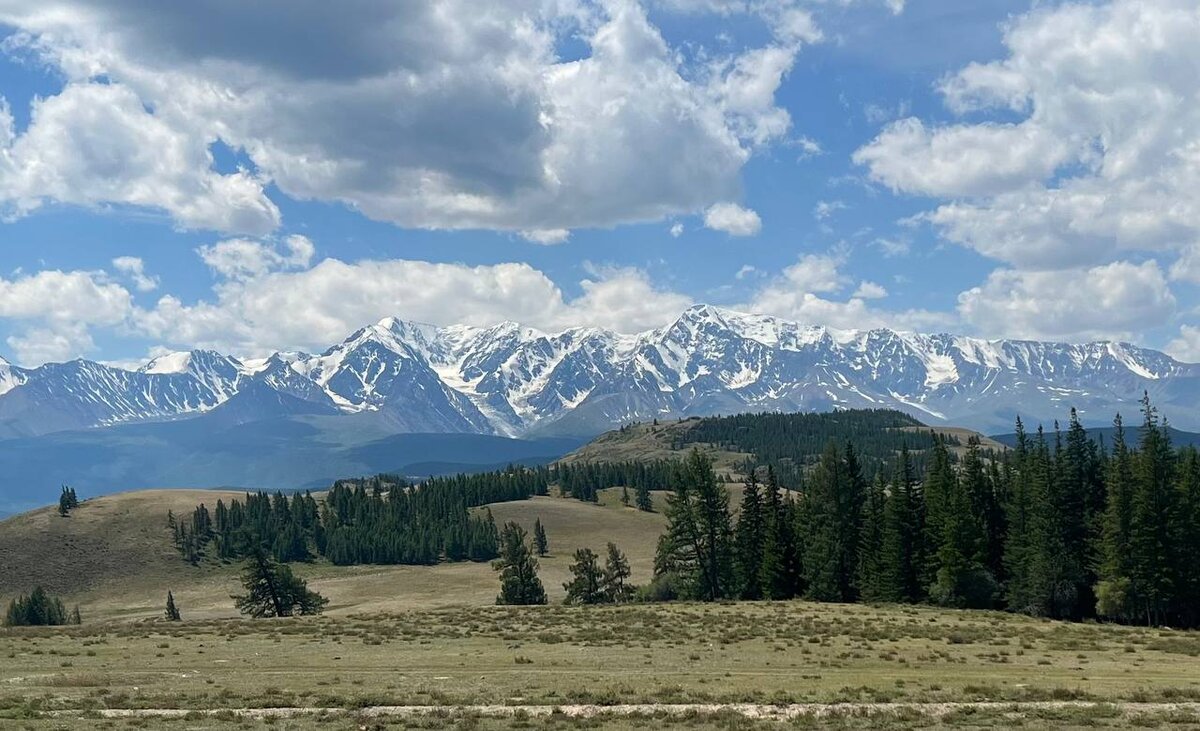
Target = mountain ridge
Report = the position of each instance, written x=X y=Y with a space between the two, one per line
x=512 y=380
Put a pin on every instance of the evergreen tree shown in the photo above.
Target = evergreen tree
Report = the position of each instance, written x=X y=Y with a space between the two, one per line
x=697 y=547
x=823 y=534
x=1152 y=561
x=903 y=537
x=870 y=552
x=625 y=495
x=961 y=579
x=1116 y=549
x=172 y=610
x=539 y=538
x=38 y=609
x=616 y=575
x=778 y=575
x=519 y=582
x=642 y=498
x=750 y=540
x=1186 y=537
x=272 y=590
x=586 y=584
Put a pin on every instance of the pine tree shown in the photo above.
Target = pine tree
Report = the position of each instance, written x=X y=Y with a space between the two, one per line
x=1113 y=597
x=697 y=546
x=903 y=537
x=586 y=584
x=1152 y=561
x=779 y=551
x=642 y=498
x=750 y=540
x=616 y=575
x=625 y=495
x=272 y=590
x=519 y=582
x=539 y=538
x=172 y=610
x=823 y=534
x=1186 y=537
x=870 y=552
x=961 y=579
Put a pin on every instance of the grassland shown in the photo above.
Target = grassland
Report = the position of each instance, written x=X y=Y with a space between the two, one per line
x=894 y=666
x=422 y=647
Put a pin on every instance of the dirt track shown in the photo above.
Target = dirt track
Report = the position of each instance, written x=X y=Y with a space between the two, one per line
x=748 y=710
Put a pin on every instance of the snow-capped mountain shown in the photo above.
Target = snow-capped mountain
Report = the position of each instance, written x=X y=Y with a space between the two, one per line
x=513 y=380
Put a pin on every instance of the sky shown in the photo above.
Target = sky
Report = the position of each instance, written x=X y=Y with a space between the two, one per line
x=252 y=177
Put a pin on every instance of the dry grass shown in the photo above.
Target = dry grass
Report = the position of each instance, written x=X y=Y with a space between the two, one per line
x=649 y=442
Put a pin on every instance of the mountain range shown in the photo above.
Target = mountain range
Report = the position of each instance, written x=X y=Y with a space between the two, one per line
x=514 y=381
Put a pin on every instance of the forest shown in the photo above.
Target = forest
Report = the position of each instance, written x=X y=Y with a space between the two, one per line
x=1060 y=526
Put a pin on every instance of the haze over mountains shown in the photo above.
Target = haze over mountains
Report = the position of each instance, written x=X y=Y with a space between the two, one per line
x=514 y=381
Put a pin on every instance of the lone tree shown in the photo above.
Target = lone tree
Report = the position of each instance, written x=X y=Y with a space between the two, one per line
x=641 y=498
x=67 y=501
x=586 y=584
x=39 y=609
x=539 y=538
x=272 y=590
x=172 y=610
x=616 y=571
x=519 y=582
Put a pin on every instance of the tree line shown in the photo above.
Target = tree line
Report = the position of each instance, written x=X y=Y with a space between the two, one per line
x=1059 y=526
x=383 y=519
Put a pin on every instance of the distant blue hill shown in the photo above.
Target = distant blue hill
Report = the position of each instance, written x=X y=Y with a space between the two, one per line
x=1179 y=438
x=292 y=452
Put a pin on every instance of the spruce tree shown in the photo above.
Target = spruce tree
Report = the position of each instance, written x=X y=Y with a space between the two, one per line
x=1152 y=561
x=870 y=552
x=1113 y=598
x=615 y=584
x=903 y=536
x=539 y=538
x=586 y=584
x=519 y=582
x=697 y=547
x=823 y=535
x=642 y=498
x=961 y=579
x=750 y=539
x=172 y=610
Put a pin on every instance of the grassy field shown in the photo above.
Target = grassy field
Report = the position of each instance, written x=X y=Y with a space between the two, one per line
x=423 y=647
x=895 y=666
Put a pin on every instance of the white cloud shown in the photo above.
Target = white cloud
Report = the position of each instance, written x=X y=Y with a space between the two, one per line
x=95 y=144
x=1186 y=347
x=824 y=209
x=1105 y=158
x=457 y=114
x=676 y=230
x=745 y=271
x=892 y=247
x=57 y=309
x=546 y=237
x=797 y=294
x=1111 y=301
x=312 y=308
x=732 y=219
x=134 y=268
x=870 y=291
x=247 y=259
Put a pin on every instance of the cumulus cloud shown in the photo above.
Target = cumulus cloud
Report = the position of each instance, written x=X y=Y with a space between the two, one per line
x=1111 y=301
x=870 y=291
x=247 y=259
x=1104 y=158
x=135 y=269
x=458 y=114
x=806 y=292
x=55 y=311
x=1186 y=347
x=317 y=306
x=95 y=144
x=732 y=219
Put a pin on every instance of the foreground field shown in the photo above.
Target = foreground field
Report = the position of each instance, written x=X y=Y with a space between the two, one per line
x=787 y=664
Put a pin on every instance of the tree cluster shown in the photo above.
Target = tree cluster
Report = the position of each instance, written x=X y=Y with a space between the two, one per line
x=67 y=501
x=377 y=520
x=591 y=584
x=39 y=609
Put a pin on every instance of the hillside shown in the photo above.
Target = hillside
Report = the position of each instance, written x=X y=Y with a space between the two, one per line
x=787 y=442
x=113 y=555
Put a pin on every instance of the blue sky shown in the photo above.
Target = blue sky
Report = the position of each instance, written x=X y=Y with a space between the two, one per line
x=252 y=180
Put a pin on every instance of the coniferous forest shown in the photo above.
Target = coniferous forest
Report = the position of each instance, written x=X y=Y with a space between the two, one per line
x=1060 y=526
x=377 y=520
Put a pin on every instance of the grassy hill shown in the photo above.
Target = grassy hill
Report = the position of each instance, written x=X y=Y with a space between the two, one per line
x=114 y=557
